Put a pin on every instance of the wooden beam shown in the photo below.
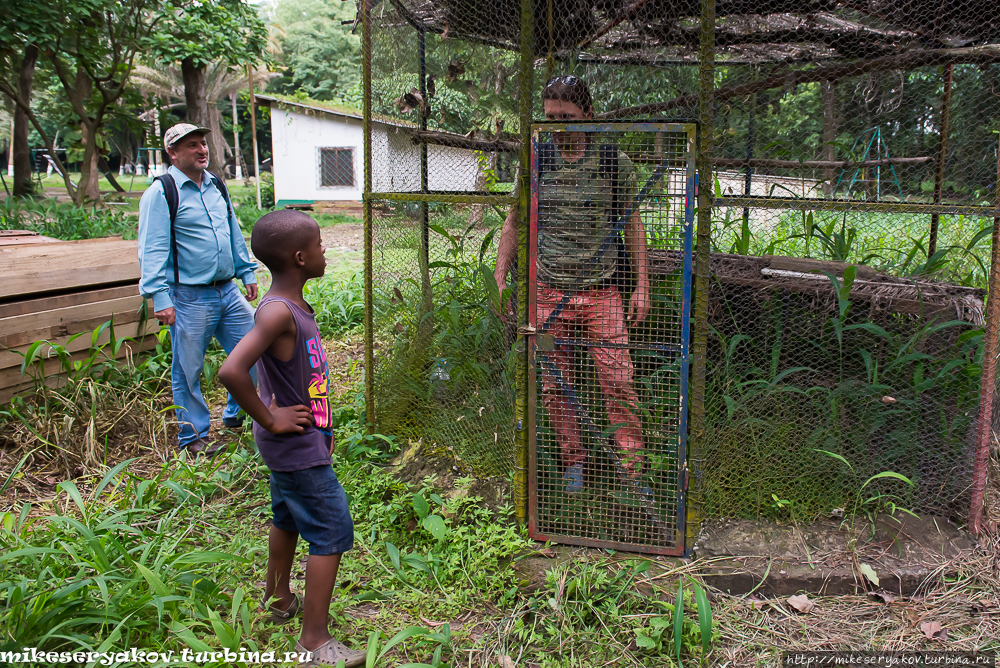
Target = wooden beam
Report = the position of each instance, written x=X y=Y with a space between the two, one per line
x=507 y=146
x=67 y=266
x=20 y=329
x=12 y=382
x=458 y=141
x=26 y=306
x=12 y=357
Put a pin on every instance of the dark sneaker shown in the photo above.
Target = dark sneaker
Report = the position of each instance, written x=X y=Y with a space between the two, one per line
x=195 y=447
x=234 y=422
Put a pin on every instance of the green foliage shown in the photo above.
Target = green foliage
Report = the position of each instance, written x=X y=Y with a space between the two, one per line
x=882 y=397
x=65 y=221
x=440 y=641
x=322 y=57
x=99 y=398
x=246 y=205
x=121 y=562
x=891 y=243
x=202 y=32
x=582 y=600
x=339 y=303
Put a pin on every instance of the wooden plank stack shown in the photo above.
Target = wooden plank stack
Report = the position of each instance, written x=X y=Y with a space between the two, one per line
x=51 y=291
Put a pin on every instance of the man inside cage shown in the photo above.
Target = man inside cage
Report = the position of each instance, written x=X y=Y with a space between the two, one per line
x=584 y=188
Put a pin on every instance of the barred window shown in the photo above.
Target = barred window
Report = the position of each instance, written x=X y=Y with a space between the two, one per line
x=336 y=166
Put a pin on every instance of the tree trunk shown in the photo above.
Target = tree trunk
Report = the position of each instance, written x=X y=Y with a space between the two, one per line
x=89 y=188
x=105 y=167
x=198 y=113
x=20 y=152
x=217 y=145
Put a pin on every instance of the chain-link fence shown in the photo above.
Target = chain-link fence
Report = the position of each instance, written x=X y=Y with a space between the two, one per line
x=847 y=160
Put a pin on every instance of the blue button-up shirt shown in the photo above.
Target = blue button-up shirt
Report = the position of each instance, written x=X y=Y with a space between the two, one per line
x=209 y=240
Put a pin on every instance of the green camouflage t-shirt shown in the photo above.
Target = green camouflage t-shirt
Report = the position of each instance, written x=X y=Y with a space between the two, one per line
x=575 y=217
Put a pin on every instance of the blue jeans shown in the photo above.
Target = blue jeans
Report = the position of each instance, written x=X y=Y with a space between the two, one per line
x=201 y=313
x=312 y=503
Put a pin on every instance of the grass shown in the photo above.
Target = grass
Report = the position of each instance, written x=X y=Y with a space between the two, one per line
x=112 y=544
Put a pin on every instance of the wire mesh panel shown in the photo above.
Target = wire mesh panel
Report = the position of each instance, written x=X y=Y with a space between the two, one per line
x=832 y=135
x=822 y=374
x=442 y=374
x=609 y=300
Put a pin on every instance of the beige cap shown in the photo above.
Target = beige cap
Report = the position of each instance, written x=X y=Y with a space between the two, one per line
x=179 y=132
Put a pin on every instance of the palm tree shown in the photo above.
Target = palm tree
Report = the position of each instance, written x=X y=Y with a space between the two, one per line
x=222 y=81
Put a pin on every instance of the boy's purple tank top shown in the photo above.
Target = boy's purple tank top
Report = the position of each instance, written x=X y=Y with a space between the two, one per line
x=304 y=379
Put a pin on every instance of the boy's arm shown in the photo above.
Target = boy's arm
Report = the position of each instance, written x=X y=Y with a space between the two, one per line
x=272 y=322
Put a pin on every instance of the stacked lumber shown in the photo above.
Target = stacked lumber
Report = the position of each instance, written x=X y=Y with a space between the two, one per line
x=52 y=291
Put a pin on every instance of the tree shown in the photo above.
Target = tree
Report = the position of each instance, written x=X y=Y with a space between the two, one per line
x=322 y=57
x=198 y=33
x=93 y=56
x=20 y=35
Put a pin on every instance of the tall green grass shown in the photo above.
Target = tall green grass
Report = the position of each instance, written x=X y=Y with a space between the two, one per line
x=65 y=221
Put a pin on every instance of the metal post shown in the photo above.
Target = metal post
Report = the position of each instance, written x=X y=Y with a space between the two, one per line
x=424 y=216
x=237 y=170
x=10 y=150
x=751 y=136
x=984 y=431
x=253 y=129
x=526 y=87
x=942 y=150
x=425 y=321
x=697 y=441
x=829 y=153
x=366 y=68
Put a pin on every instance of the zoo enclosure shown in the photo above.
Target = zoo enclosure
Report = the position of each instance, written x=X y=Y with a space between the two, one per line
x=833 y=134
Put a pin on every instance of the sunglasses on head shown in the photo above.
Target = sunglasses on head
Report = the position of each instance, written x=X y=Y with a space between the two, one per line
x=566 y=80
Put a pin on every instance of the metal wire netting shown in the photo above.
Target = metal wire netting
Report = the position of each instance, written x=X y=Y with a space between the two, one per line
x=443 y=371
x=848 y=186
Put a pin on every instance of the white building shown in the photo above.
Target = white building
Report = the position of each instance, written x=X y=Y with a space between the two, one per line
x=318 y=155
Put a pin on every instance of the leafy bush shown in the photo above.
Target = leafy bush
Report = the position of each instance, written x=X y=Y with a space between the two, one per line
x=65 y=221
x=339 y=303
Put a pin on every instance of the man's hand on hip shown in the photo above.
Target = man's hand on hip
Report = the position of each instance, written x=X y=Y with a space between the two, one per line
x=638 y=305
x=251 y=292
x=166 y=316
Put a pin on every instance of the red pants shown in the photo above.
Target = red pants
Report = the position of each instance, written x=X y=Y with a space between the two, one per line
x=601 y=313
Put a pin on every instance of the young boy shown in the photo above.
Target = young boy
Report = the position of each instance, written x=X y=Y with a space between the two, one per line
x=294 y=434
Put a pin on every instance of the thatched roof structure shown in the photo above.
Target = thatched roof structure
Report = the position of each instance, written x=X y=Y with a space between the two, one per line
x=747 y=30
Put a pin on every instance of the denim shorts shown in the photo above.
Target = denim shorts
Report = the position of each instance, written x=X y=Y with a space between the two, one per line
x=312 y=503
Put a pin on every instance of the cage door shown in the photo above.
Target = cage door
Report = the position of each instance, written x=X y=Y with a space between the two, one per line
x=609 y=299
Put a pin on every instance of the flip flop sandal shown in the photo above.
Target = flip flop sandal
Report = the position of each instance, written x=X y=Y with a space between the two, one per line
x=331 y=653
x=279 y=616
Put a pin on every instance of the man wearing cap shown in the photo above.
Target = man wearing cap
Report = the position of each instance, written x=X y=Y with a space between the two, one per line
x=188 y=266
